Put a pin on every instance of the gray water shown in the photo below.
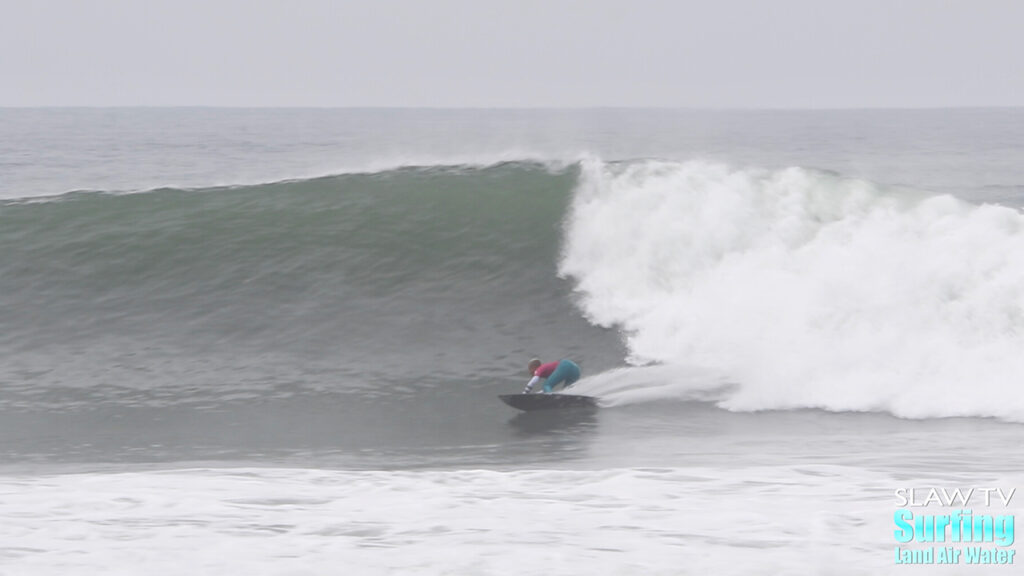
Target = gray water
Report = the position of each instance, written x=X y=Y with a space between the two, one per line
x=339 y=292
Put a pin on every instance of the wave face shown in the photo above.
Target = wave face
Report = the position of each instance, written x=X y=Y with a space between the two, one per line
x=379 y=283
x=805 y=289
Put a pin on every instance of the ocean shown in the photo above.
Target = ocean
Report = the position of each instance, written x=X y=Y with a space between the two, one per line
x=271 y=341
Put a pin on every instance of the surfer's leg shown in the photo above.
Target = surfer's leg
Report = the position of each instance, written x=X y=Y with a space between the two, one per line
x=567 y=371
x=573 y=373
x=555 y=379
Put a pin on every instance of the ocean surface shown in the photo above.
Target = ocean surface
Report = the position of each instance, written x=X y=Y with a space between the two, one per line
x=271 y=341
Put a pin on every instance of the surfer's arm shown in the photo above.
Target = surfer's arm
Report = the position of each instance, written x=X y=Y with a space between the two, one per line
x=529 y=385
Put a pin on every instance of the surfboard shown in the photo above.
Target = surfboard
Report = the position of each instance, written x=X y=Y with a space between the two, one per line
x=532 y=402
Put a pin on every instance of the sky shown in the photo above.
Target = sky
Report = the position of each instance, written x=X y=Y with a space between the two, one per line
x=513 y=53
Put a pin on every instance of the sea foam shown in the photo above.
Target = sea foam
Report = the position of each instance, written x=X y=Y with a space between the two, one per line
x=560 y=522
x=807 y=289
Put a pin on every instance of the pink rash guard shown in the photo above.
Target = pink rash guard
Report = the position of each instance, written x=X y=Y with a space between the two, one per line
x=545 y=370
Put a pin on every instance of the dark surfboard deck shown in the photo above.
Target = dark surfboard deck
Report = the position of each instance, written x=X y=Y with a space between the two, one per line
x=532 y=402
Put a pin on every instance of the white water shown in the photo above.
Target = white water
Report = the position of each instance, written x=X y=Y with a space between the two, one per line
x=807 y=289
x=828 y=519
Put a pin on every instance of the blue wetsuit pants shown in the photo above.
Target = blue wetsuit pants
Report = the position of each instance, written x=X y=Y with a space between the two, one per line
x=567 y=371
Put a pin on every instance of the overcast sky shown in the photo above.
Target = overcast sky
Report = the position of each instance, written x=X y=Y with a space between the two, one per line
x=480 y=53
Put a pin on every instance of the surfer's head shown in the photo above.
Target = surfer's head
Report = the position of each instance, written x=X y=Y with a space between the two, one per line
x=533 y=365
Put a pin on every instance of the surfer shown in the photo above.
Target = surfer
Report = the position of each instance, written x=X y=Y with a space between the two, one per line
x=563 y=372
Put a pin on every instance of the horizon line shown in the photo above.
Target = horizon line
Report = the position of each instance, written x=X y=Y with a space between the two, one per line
x=512 y=108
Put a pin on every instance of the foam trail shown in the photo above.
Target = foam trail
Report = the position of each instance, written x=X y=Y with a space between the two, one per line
x=808 y=289
x=633 y=385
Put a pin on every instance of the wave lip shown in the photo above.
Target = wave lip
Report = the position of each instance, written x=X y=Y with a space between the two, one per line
x=29 y=187
x=809 y=289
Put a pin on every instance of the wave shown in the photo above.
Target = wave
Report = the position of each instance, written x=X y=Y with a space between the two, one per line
x=806 y=289
x=379 y=226
x=755 y=289
x=406 y=277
